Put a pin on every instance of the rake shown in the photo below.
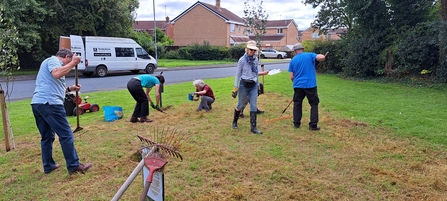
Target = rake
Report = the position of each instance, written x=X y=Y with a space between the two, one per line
x=163 y=144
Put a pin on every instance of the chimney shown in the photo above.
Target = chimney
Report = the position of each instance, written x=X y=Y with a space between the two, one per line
x=218 y=3
x=167 y=19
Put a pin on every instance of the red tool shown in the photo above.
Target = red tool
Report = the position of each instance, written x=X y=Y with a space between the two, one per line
x=153 y=163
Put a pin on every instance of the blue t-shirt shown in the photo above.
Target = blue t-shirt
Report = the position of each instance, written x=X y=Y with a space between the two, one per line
x=148 y=81
x=49 y=89
x=304 y=72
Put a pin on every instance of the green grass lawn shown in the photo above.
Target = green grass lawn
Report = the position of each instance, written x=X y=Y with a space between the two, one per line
x=377 y=142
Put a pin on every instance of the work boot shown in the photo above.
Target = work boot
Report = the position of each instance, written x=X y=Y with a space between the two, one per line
x=145 y=119
x=253 y=123
x=259 y=112
x=133 y=119
x=236 y=117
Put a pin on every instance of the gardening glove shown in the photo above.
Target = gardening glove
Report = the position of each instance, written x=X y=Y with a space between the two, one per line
x=152 y=105
x=157 y=107
x=234 y=93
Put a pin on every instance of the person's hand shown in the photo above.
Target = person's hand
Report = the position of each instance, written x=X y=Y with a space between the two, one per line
x=157 y=107
x=75 y=59
x=234 y=93
x=152 y=105
x=195 y=99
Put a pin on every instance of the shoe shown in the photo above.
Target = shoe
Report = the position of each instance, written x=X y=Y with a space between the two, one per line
x=314 y=128
x=133 y=119
x=259 y=112
x=144 y=119
x=82 y=168
x=54 y=168
x=241 y=115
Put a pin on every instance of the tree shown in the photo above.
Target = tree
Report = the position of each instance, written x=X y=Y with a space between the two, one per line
x=255 y=20
x=333 y=14
x=441 y=73
x=9 y=62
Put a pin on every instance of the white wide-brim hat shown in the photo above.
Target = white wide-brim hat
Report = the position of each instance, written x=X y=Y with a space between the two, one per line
x=252 y=45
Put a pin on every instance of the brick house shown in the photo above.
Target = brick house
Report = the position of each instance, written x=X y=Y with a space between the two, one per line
x=280 y=33
x=313 y=34
x=220 y=27
x=211 y=23
x=148 y=26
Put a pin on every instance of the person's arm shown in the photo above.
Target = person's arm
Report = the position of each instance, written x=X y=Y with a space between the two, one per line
x=291 y=76
x=65 y=69
x=264 y=72
x=148 y=96
x=157 y=94
x=320 y=57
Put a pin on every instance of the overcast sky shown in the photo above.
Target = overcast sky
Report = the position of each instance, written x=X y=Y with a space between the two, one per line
x=276 y=9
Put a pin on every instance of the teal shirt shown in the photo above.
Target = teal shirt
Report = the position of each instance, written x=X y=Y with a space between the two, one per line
x=148 y=81
x=49 y=89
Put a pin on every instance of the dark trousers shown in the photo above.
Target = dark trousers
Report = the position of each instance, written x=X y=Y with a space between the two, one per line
x=312 y=97
x=142 y=107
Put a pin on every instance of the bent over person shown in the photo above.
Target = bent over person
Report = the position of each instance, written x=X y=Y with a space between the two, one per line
x=303 y=74
x=206 y=93
x=49 y=111
x=135 y=87
x=246 y=85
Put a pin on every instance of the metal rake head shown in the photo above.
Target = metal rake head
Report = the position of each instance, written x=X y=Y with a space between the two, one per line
x=165 y=141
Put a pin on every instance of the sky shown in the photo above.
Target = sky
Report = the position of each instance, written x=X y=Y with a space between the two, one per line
x=276 y=9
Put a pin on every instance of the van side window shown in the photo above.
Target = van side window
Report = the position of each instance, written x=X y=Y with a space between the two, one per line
x=124 y=52
x=141 y=53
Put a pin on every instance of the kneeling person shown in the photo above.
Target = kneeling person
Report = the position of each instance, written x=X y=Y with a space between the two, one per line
x=207 y=94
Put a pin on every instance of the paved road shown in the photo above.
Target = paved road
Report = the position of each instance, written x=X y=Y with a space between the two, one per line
x=23 y=86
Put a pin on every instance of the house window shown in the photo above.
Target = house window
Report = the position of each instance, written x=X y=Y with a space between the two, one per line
x=232 y=27
x=278 y=31
x=315 y=35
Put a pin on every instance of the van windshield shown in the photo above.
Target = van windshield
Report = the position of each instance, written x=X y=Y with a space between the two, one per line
x=141 y=53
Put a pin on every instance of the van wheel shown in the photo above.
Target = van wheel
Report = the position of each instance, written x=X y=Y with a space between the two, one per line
x=150 y=68
x=89 y=74
x=101 y=71
x=279 y=56
x=135 y=71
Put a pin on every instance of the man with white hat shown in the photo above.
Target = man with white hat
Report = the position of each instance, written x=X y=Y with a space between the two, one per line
x=304 y=77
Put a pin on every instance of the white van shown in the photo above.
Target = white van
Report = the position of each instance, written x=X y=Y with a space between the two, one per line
x=100 y=55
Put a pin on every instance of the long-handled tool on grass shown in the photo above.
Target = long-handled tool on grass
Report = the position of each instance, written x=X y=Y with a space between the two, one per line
x=78 y=128
x=165 y=143
x=280 y=116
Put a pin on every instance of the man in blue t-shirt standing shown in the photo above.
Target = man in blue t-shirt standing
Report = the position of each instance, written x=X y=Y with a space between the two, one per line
x=48 y=109
x=304 y=77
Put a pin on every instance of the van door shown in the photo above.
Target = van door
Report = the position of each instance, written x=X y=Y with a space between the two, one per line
x=77 y=46
x=125 y=58
x=142 y=58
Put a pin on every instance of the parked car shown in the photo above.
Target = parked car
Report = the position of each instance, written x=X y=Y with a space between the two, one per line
x=272 y=53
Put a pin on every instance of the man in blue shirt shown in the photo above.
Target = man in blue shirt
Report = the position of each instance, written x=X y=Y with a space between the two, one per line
x=304 y=77
x=49 y=111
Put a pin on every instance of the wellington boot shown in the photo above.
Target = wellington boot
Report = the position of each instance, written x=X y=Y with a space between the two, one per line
x=235 y=118
x=253 y=123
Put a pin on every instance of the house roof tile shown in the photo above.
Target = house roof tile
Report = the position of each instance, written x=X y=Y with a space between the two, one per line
x=223 y=13
x=149 y=25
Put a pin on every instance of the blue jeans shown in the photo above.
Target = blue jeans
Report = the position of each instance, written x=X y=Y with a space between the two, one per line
x=250 y=93
x=51 y=120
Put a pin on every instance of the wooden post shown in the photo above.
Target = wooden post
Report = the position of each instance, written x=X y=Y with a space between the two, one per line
x=4 y=120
